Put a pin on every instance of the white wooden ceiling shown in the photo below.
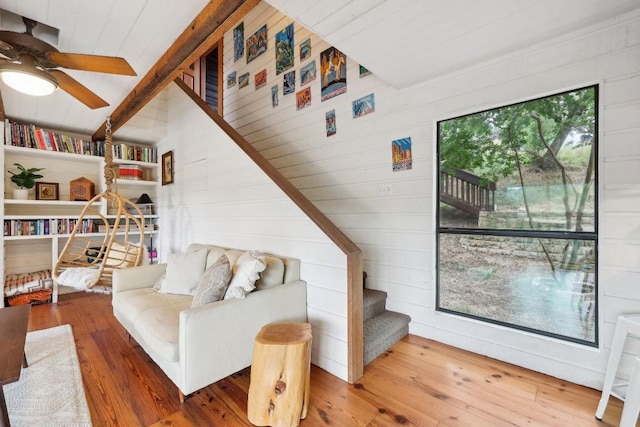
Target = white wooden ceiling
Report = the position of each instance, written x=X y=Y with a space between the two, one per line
x=138 y=30
x=404 y=42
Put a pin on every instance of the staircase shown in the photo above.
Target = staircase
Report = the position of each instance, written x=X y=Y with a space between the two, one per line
x=382 y=328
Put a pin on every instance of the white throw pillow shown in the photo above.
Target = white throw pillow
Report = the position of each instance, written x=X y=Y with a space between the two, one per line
x=246 y=271
x=183 y=272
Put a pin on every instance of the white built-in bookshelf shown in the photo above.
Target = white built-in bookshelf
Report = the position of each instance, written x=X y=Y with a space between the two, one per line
x=35 y=231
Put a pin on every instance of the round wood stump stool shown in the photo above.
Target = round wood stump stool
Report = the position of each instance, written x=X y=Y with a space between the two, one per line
x=280 y=375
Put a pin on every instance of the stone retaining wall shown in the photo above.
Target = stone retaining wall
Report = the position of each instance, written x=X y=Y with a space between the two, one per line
x=522 y=246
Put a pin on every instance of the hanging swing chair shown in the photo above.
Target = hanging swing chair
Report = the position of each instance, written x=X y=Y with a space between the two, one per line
x=88 y=259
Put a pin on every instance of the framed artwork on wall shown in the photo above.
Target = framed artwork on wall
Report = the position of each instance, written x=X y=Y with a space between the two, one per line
x=47 y=191
x=167 y=168
x=257 y=44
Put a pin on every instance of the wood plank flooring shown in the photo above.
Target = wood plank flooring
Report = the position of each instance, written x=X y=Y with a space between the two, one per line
x=418 y=382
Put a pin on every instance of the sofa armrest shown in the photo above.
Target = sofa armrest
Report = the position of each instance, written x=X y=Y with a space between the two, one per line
x=217 y=339
x=144 y=276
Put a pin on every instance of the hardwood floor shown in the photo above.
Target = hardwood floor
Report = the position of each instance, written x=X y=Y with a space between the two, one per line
x=418 y=382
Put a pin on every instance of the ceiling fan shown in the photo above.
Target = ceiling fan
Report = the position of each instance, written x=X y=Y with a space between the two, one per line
x=30 y=66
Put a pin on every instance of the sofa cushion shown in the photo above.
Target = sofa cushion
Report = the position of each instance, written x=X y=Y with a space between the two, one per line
x=160 y=327
x=213 y=282
x=233 y=255
x=213 y=252
x=183 y=272
x=246 y=271
x=273 y=274
x=131 y=304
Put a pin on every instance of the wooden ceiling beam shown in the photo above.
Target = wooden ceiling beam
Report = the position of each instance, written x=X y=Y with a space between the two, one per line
x=216 y=18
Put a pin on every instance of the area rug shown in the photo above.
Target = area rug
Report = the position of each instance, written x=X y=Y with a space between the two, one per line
x=50 y=390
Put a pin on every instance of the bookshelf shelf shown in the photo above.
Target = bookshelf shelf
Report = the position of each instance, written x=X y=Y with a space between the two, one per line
x=36 y=152
x=136 y=183
x=46 y=203
x=66 y=235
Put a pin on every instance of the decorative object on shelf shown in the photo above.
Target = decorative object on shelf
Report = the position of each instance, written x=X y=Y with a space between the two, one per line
x=167 y=168
x=47 y=191
x=25 y=180
x=81 y=189
x=145 y=204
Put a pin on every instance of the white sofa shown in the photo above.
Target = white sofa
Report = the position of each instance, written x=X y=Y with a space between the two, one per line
x=198 y=346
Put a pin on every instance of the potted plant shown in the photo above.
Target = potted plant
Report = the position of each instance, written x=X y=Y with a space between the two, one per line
x=25 y=180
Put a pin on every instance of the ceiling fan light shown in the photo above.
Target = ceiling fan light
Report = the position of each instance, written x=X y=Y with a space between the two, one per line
x=30 y=81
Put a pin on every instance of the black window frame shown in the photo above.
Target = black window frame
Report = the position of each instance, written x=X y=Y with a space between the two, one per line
x=560 y=235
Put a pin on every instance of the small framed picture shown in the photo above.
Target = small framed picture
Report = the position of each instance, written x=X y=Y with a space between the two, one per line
x=167 y=168
x=47 y=191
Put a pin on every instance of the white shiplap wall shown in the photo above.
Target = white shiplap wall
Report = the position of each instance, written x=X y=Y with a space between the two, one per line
x=221 y=197
x=343 y=174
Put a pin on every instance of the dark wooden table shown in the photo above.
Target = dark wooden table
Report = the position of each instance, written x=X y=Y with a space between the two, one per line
x=13 y=332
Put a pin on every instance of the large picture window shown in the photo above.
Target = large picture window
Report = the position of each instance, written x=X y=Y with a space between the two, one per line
x=517 y=218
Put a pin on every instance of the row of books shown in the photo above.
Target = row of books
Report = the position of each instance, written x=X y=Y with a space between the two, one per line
x=136 y=153
x=30 y=136
x=133 y=172
x=46 y=227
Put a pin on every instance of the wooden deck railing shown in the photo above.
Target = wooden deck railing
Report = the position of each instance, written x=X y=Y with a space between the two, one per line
x=355 y=317
x=467 y=191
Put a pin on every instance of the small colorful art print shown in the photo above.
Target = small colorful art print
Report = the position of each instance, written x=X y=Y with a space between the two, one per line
x=401 y=149
x=364 y=71
x=274 y=96
x=257 y=44
x=308 y=73
x=330 y=120
x=238 y=42
x=243 y=80
x=231 y=79
x=305 y=50
x=303 y=98
x=261 y=79
x=333 y=68
x=363 y=106
x=289 y=83
x=284 y=49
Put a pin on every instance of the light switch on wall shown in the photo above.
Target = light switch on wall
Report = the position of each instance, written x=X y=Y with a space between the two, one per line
x=384 y=189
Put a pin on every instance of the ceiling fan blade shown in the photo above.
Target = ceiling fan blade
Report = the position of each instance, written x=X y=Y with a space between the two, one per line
x=77 y=90
x=100 y=64
x=5 y=46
